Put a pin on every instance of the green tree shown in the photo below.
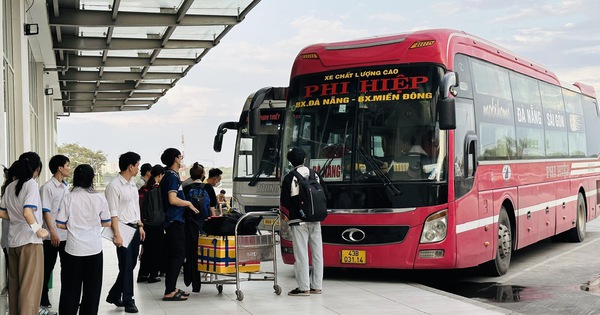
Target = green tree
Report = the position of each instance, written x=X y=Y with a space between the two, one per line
x=78 y=154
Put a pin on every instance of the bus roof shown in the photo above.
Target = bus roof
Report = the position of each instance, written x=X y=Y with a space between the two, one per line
x=436 y=46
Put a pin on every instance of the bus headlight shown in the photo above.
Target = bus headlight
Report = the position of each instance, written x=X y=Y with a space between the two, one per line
x=435 y=228
x=285 y=231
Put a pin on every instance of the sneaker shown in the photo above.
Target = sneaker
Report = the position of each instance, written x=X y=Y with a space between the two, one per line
x=316 y=291
x=298 y=292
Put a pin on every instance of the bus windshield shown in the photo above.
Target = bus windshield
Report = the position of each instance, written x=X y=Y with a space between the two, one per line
x=368 y=125
x=259 y=155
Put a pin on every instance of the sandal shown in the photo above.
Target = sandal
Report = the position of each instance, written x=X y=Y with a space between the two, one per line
x=176 y=297
x=183 y=292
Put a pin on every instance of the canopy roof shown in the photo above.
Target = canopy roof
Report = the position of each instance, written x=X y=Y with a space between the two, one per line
x=123 y=55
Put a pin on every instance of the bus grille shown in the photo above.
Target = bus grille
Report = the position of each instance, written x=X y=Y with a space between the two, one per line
x=363 y=235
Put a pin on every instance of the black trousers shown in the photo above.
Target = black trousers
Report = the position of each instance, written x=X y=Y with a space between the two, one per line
x=175 y=243
x=152 y=253
x=123 y=287
x=191 y=275
x=50 y=254
x=81 y=276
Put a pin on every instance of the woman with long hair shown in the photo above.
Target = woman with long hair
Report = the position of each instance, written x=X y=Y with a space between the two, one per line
x=22 y=204
x=82 y=212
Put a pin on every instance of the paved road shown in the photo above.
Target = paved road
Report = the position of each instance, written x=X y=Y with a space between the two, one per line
x=545 y=278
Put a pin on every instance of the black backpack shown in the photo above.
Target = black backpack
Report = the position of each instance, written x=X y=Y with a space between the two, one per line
x=152 y=208
x=313 y=202
x=198 y=196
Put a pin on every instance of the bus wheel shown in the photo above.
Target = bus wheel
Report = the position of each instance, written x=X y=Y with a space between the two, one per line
x=499 y=265
x=577 y=233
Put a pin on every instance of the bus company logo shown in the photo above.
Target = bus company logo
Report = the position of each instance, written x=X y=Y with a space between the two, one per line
x=506 y=172
x=421 y=44
x=267 y=188
x=353 y=235
x=575 y=122
x=496 y=110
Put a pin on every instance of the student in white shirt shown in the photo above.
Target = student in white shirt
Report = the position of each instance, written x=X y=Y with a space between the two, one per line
x=52 y=192
x=123 y=203
x=82 y=213
x=21 y=203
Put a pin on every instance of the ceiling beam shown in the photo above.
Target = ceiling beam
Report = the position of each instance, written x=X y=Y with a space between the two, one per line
x=99 y=43
x=89 y=96
x=91 y=61
x=92 y=87
x=90 y=18
x=108 y=103
x=115 y=76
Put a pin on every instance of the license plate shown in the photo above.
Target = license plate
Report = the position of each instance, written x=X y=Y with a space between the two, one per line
x=352 y=256
x=269 y=222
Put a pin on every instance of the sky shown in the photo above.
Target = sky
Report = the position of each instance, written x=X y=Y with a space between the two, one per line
x=258 y=52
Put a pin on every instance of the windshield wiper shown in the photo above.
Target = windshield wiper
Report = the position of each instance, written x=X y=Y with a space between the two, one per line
x=382 y=177
x=254 y=178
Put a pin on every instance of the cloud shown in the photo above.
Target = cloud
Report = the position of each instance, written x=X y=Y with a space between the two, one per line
x=536 y=35
x=310 y=30
x=585 y=50
x=587 y=75
x=449 y=7
x=387 y=17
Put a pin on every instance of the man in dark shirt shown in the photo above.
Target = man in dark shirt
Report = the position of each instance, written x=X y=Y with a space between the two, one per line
x=175 y=205
x=213 y=180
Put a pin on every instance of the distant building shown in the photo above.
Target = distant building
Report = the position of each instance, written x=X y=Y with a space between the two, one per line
x=110 y=168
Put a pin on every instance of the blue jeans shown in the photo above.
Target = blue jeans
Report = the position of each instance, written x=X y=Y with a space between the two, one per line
x=123 y=287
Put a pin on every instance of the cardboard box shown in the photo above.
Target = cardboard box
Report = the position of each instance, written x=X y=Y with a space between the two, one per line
x=217 y=254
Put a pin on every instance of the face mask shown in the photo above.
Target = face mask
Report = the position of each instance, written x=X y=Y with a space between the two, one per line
x=218 y=184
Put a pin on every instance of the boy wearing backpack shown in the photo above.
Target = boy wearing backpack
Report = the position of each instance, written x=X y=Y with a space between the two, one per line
x=197 y=195
x=303 y=231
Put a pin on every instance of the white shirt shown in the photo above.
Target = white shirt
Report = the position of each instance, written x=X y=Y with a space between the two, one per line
x=20 y=233
x=141 y=182
x=123 y=199
x=52 y=192
x=83 y=211
x=295 y=189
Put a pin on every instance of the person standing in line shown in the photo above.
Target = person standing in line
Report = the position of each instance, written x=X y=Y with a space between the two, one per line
x=193 y=225
x=175 y=205
x=152 y=247
x=10 y=174
x=22 y=204
x=52 y=192
x=145 y=174
x=213 y=180
x=303 y=233
x=123 y=203
x=82 y=213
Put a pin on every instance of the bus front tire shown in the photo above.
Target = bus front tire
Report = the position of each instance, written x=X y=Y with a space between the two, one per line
x=499 y=265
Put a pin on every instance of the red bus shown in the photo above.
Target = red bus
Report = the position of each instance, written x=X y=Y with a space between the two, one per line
x=441 y=150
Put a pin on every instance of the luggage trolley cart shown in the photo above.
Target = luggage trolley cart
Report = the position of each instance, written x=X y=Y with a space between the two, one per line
x=251 y=248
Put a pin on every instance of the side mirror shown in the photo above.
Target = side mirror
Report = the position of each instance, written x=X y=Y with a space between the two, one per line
x=446 y=104
x=221 y=130
x=449 y=82
x=447 y=112
x=218 y=144
x=266 y=93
